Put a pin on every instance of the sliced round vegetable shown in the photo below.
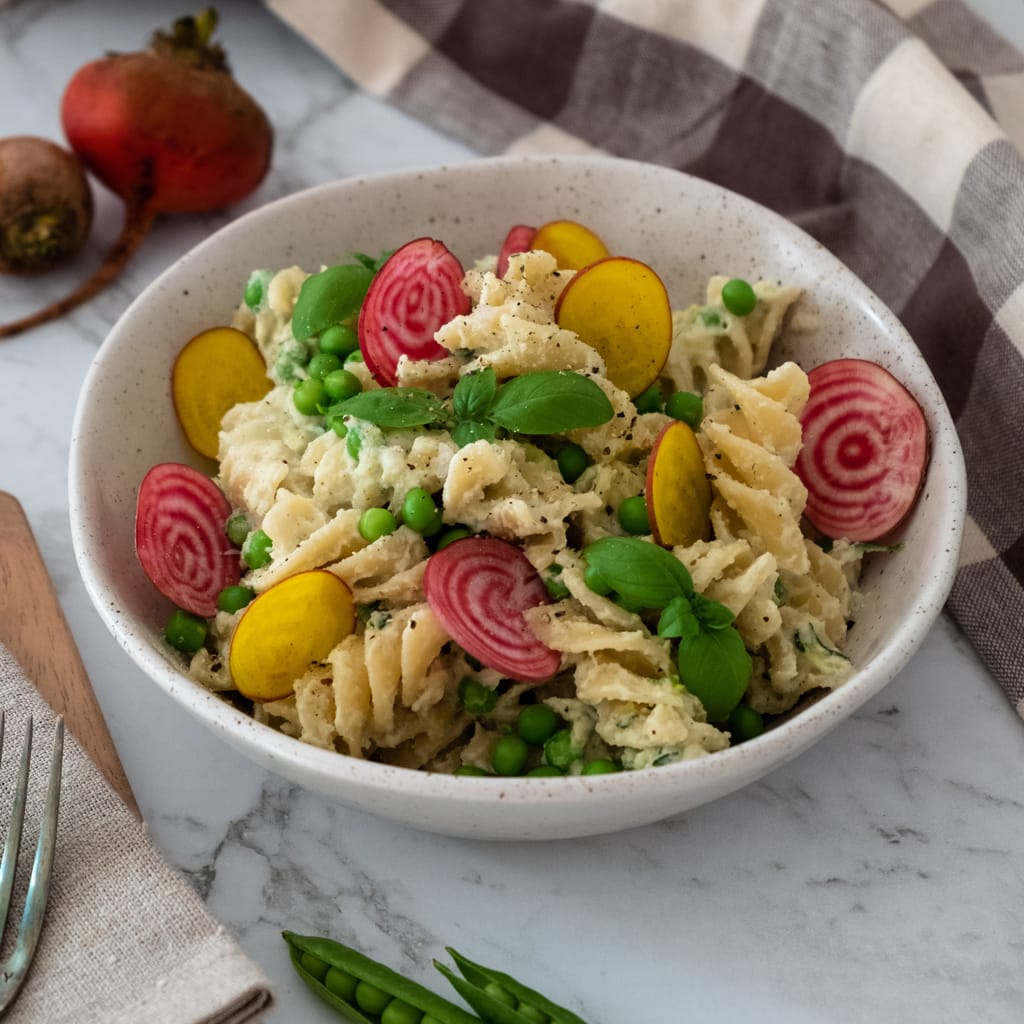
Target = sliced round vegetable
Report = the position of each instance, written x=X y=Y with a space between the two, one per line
x=573 y=245
x=519 y=239
x=620 y=307
x=416 y=291
x=216 y=370
x=865 y=450
x=180 y=539
x=677 y=490
x=479 y=588
x=289 y=627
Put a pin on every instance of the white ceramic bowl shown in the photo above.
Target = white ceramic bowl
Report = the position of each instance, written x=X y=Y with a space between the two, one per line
x=684 y=227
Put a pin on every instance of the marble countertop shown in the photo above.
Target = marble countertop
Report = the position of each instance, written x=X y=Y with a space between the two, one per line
x=875 y=878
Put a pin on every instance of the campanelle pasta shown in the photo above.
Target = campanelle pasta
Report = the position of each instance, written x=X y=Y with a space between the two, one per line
x=390 y=689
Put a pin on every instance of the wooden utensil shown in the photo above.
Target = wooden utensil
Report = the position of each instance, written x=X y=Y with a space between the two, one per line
x=34 y=630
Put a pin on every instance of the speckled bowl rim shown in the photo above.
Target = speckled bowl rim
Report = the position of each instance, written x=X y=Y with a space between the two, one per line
x=745 y=762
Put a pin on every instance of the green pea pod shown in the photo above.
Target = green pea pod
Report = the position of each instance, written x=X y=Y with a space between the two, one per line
x=344 y=958
x=476 y=978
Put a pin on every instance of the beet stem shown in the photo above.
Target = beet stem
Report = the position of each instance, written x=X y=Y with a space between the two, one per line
x=138 y=220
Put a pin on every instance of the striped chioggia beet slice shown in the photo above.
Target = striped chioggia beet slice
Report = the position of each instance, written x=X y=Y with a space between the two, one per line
x=479 y=588
x=415 y=292
x=180 y=539
x=518 y=239
x=865 y=449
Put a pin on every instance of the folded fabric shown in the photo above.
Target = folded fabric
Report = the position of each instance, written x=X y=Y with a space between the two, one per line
x=873 y=128
x=125 y=938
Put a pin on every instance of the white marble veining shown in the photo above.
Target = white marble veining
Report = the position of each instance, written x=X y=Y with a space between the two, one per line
x=876 y=878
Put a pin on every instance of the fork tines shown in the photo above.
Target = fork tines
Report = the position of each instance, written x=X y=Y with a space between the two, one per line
x=14 y=969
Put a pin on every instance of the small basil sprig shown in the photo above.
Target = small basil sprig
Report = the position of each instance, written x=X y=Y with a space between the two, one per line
x=543 y=402
x=713 y=661
x=331 y=296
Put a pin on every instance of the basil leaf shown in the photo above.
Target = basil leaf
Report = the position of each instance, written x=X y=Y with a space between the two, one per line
x=715 y=667
x=549 y=402
x=473 y=395
x=678 y=619
x=393 y=407
x=328 y=298
x=371 y=262
x=644 y=574
x=712 y=614
x=469 y=431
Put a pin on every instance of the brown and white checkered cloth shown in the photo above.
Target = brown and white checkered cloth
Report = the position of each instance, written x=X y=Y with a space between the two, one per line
x=892 y=133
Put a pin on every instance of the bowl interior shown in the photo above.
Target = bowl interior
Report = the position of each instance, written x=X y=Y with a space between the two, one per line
x=687 y=230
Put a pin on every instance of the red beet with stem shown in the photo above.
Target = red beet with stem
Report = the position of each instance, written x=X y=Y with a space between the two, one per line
x=168 y=130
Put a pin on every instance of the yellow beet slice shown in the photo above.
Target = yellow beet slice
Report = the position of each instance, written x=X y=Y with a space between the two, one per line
x=289 y=627
x=214 y=371
x=573 y=245
x=678 y=493
x=620 y=307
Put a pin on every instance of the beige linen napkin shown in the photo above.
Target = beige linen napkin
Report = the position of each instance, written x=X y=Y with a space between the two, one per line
x=126 y=939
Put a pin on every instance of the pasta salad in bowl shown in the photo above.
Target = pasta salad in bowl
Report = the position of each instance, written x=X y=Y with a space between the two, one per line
x=557 y=497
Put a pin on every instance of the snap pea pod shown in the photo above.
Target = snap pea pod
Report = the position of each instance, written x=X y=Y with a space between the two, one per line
x=361 y=968
x=483 y=989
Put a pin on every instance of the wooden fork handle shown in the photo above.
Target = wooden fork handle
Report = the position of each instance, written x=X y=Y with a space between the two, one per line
x=34 y=630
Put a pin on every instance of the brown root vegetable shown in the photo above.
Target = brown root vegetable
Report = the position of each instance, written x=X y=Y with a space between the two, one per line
x=45 y=205
x=168 y=130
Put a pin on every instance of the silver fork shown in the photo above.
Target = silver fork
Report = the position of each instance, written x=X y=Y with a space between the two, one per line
x=14 y=969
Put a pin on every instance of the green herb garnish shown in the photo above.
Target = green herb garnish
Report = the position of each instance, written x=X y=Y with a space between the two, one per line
x=712 y=658
x=544 y=402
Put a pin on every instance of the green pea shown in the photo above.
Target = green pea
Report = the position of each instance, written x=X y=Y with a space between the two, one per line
x=237 y=528
x=559 y=749
x=476 y=698
x=536 y=722
x=185 y=631
x=471 y=769
x=375 y=523
x=451 y=535
x=400 y=1012
x=336 y=422
x=339 y=340
x=370 y=998
x=256 y=550
x=420 y=513
x=234 y=599
x=555 y=587
x=544 y=770
x=596 y=582
x=355 y=357
x=354 y=444
x=600 y=766
x=632 y=516
x=341 y=983
x=255 y=288
x=532 y=1014
x=650 y=400
x=428 y=1019
x=313 y=965
x=509 y=755
x=572 y=460
x=745 y=723
x=341 y=384
x=502 y=995
x=738 y=297
x=685 y=406
x=322 y=364
x=308 y=396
